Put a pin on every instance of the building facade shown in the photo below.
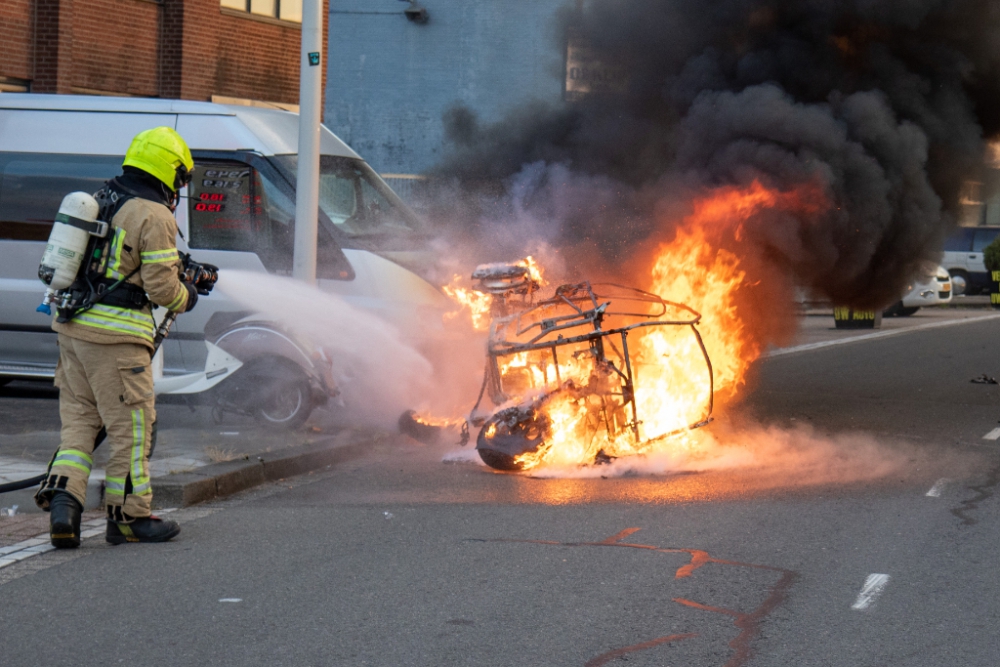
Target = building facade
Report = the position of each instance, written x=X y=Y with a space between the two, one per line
x=244 y=51
x=391 y=79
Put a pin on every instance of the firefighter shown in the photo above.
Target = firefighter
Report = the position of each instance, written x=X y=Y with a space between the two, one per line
x=104 y=373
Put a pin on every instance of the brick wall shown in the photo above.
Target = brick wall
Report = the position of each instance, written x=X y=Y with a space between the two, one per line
x=53 y=56
x=16 y=38
x=261 y=59
x=184 y=49
x=105 y=61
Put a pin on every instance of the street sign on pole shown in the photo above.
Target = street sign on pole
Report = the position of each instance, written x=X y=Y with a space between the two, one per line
x=307 y=179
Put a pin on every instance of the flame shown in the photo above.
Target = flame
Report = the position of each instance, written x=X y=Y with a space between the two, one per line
x=673 y=383
x=476 y=304
x=443 y=422
x=534 y=270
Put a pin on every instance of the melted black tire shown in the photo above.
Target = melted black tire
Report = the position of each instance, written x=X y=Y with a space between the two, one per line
x=498 y=460
x=514 y=433
x=425 y=433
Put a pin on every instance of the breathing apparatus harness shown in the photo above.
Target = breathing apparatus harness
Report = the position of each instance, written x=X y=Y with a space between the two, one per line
x=91 y=287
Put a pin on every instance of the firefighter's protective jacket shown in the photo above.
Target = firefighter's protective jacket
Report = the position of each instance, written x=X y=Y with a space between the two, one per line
x=143 y=236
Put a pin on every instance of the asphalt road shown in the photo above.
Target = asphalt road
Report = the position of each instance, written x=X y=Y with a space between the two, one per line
x=400 y=559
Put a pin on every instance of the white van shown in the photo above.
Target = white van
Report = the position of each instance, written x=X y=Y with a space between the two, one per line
x=238 y=212
x=963 y=258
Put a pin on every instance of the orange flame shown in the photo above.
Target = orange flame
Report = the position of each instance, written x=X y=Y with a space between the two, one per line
x=672 y=381
x=477 y=304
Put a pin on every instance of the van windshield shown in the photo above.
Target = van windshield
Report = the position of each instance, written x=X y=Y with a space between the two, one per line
x=358 y=203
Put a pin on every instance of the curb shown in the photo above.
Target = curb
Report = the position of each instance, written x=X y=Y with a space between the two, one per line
x=223 y=479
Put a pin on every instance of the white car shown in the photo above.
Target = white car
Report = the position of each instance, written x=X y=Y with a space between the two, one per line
x=931 y=288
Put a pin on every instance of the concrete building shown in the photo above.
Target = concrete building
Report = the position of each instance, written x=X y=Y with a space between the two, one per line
x=244 y=51
x=390 y=79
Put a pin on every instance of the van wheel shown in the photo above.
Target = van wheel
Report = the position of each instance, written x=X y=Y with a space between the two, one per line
x=959 y=282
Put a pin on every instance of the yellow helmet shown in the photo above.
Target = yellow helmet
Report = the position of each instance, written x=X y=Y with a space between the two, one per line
x=162 y=153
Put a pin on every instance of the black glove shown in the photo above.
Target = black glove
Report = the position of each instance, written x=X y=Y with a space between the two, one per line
x=192 y=296
x=206 y=277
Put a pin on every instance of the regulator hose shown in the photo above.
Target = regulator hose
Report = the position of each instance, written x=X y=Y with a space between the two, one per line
x=22 y=484
x=19 y=484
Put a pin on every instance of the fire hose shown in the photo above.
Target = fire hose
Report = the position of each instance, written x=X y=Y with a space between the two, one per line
x=203 y=277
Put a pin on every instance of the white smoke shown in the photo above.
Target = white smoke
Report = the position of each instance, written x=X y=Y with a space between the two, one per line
x=776 y=457
x=378 y=371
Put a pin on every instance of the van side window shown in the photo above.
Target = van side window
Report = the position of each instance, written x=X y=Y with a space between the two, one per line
x=233 y=206
x=983 y=238
x=33 y=185
x=222 y=211
x=959 y=241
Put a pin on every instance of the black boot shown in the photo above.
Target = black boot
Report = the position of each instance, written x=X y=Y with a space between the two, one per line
x=146 y=529
x=64 y=520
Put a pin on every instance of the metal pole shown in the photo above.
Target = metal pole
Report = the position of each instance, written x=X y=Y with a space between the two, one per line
x=307 y=180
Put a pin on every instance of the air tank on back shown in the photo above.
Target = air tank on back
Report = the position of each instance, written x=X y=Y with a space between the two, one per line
x=74 y=224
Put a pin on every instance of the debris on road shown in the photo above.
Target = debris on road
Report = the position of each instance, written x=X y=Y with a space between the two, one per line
x=984 y=379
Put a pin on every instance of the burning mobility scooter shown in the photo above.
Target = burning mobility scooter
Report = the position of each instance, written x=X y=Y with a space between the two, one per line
x=576 y=376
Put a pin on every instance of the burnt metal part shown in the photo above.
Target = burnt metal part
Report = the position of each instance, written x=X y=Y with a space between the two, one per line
x=520 y=326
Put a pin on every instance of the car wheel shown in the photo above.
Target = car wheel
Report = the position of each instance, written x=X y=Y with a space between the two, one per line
x=959 y=282
x=906 y=312
x=893 y=310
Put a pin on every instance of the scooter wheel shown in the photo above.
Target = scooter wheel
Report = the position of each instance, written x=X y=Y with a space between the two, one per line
x=286 y=405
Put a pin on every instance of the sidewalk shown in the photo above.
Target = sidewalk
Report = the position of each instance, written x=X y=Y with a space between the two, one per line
x=191 y=449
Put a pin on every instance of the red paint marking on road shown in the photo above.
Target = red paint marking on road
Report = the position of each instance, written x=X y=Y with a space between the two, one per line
x=698 y=559
x=748 y=623
x=705 y=607
x=614 y=539
x=605 y=658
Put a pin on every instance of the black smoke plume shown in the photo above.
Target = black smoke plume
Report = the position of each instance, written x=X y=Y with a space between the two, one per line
x=882 y=103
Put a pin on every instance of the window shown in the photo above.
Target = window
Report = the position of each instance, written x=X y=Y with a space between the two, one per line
x=356 y=201
x=33 y=185
x=959 y=241
x=983 y=238
x=286 y=10
x=232 y=206
x=11 y=85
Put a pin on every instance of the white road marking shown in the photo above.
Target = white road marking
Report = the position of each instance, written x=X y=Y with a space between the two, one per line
x=938 y=487
x=230 y=599
x=879 y=334
x=873 y=587
x=992 y=435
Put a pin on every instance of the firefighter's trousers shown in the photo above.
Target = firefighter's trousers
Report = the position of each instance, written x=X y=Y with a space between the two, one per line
x=110 y=385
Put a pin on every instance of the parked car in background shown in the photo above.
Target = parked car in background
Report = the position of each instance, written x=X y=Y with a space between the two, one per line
x=933 y=287
x=963 y=258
